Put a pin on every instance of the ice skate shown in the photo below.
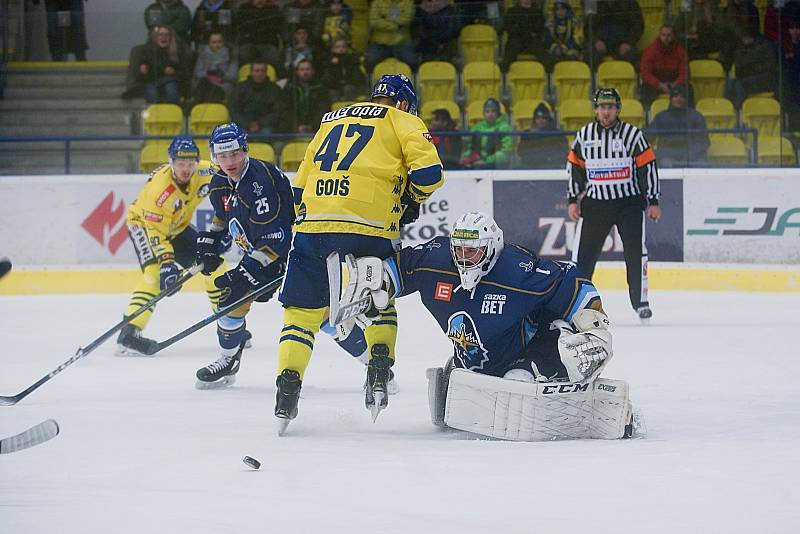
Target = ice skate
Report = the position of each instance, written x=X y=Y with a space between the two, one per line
x=392 y=387
x=221 y=373
x=286 y=397
x=376 y=396
x=645 y=313
x=131 y=343
x=248 y=337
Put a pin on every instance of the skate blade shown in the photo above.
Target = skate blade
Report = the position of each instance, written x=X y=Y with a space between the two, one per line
x=283 y=424
x=645 y=322
x=223 y=382
x=248 y=344
x=125 y=352
x=392 y=388
x=378 y=405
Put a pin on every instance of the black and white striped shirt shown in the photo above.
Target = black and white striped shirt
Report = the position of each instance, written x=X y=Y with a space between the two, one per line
x=612 y=163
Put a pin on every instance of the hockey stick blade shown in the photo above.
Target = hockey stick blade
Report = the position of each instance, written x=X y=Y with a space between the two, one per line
x=83 y=351
x=35 y=435
x=214 y=316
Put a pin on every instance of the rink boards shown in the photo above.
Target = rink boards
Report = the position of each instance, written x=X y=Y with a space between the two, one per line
x=722 y=229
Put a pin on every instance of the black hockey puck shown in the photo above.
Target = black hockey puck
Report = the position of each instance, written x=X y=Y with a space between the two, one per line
x=251 y=462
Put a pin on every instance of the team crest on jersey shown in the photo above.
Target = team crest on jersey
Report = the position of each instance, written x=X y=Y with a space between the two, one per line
x=467 y=343
x=203 y=191
x=239 y=237
x=527 y=267
x=177 y=205
x=257 y=189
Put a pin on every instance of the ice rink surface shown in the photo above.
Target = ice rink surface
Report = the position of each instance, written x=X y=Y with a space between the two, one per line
x=142 y=451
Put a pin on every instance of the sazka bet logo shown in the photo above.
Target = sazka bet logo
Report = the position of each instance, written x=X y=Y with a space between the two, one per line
x=761 y=221
x=466 y=341
x=106 y=224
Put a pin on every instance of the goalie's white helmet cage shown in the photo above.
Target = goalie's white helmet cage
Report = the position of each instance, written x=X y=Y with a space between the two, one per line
x=475 y=244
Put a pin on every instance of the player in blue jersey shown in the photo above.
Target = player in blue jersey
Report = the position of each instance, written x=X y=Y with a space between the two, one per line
x=253 y=202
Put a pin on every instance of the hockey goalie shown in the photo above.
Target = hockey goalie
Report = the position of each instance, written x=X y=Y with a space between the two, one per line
x=530 y=336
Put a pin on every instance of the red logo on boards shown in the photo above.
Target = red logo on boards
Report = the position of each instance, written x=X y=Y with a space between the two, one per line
x=106 y=223
x=444 y=291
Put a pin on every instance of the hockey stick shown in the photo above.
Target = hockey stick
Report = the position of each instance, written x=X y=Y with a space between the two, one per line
x=83 y=351
x=214 y=316
x=342 y=307
x=33 y=436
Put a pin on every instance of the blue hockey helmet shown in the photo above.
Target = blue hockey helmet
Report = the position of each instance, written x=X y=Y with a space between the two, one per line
x=397 y=87
x=227 y=137
x=183 y=147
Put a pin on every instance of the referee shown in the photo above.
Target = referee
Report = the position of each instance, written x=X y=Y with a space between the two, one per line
x=613 y=180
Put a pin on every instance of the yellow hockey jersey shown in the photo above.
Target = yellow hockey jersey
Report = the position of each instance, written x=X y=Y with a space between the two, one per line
x=165 y=209
x=359 y=164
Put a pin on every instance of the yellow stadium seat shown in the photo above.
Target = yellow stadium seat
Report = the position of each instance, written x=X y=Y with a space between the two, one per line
x=482 y=80
x=763 y=114
x=522 y=110
x=478 y=42
x=429 y=106
x=718 y=112
x=632 y=112
x=658 y=105
x=707 y=77
x=728 y=151
x=527 y=80
x=153 y=155
x=437 y=80
x=620 y=75
x=390 y=66
x=204 y=117
x=572 y=80
x=244 y=72
x=292 y=155
x=574 y=113
x=653 y=14
x=776 y=151
x=163 y=119
x=475 y=113
x=262 y=151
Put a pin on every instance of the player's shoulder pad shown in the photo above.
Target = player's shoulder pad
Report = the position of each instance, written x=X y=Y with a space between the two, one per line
x=520 y=266
x=436 y=251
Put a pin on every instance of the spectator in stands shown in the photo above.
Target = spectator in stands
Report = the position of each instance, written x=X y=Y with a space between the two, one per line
x=160 y=68
x=489 y=152
x=542 y=152
x=790 y=55
x=436 y=30
x=256 y=103
x=305 y=100
x=739 y=18
x=615 y=30
x=338 y=18
x=213 y=16
x=562 y=39
x=390 y=33
x=756 y=68
x=777 y=20
x=341 y=72
x=172 y=13
x=300 y=50
x=260 y=25
x=215 y=70
x=308 y=14
x=698 y=29
x=66 y=34
x=664 y=65
x=525 y=29
x=680 y=148
x=449 y=146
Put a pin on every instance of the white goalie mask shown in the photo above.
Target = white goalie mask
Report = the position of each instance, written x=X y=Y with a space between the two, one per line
x=475 y=244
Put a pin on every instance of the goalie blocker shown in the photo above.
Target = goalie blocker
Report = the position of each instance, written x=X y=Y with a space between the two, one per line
x=529 y=411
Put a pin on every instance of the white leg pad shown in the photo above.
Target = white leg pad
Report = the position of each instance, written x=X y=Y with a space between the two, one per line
x=536 y=411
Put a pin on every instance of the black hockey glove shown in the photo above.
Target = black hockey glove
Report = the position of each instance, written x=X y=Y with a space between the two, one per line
x=168 y=275
x=273 y=270
x=248 y=276
x=208 y=247
x=410 y=210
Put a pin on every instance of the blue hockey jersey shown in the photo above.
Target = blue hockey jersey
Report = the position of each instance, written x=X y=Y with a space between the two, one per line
x=258 y=210
x=491 y=326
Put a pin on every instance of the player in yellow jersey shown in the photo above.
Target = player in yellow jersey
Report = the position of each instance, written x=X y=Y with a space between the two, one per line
x=364 y=175
x=159 y=228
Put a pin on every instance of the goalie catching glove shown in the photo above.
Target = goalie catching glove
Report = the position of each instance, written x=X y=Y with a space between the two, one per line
x=251 y=273
x=585 y=349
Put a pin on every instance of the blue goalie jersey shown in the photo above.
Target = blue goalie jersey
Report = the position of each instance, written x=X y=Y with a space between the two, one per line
x=258 y=210
x=491 y=326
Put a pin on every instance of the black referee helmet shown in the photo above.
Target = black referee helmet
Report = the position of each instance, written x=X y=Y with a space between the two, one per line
x=606 y=96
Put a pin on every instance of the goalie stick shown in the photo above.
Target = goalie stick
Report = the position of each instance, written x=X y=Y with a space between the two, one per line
x=35 y=435
x=83 y=351
x=161 y=345
x=343 y=311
